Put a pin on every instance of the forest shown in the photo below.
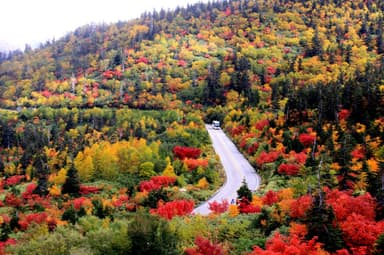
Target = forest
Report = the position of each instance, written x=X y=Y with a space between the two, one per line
x=103 y=147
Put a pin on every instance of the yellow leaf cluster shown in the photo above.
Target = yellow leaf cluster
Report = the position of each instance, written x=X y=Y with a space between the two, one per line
x=373 y=165
x=256 y=201
x=233 y=210
x=286 y=194
x=169 y=171
x=59 y=177
x=202 y=183
x=54 y=191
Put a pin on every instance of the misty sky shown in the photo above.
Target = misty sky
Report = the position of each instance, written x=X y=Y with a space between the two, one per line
x=34 y=21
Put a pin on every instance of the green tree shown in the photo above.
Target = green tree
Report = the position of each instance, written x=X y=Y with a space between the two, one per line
x=41 y=169
x=71 y=185
x=244 y=191
x=151 y=235
x=379 y=246
x=320 y=220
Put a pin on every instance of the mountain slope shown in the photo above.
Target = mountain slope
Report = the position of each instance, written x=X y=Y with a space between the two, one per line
x=201 y=53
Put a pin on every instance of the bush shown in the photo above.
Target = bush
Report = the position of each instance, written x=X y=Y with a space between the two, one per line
x=61 y=242
x=151 y=235
x=110 y=241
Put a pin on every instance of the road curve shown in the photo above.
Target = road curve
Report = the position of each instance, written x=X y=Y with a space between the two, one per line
x=236 y=169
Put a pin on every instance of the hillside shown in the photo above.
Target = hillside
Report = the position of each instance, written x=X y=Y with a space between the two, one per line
x=105 y=126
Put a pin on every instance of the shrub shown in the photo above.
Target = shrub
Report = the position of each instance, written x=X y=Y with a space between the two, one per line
x=60 y=242
x=182 y=152
x=151 y=235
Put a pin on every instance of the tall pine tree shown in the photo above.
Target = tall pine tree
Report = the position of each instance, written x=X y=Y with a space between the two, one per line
x=71 y=185
x=41 y=169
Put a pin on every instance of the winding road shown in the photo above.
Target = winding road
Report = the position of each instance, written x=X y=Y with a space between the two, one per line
x=236 y=169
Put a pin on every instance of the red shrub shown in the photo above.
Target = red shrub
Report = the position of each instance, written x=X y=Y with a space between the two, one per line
x=271 y=70
x=108 y=74
x=299 y=158
x=3 y=245
x=298 y=229
x=37 y=218
x=252 y=148
x=360 y=231
x=300 y=206
x=205 y=247
x=282 y=245
x=235 y=131
x=288 y=169
x=358 y=153
x=122 y=200
x=267 y=157
x=344 y=114
x=270 y=198
x=344 y=204
x=27 y=194
x=142 y=60
x=174 y=208
x=12 y=200
x=219 y=208
x=248 y=208
x=14 y=180
x=182 y=63
x=148 y=186
x=307 y=139
x=192 y=163
x=182 y=152
x=85 y=190
x=79 y=202
x=163 y=180
x=34 y=200
x=156 y=182
x=260 y=125
x=23 y=224
x=46 y=93
x=244 y=140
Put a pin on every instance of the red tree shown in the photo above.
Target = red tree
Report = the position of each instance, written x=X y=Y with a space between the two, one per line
x=217 y=207
x=267 y=157
x=360 y=232
x=182 y=152
x=205 y=247
x=260 y=125
x=292 y=245
x=156 y=182
x=174 y=208
x=299 y=207
x=344 y=204
x=270 y=198
x=288 y=169
x=307 y=139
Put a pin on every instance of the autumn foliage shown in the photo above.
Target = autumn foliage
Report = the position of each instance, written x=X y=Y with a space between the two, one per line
x=267 y=157
x=192 y=163
x=174 y=208
x=288 y=169
x=280 y=244
x=219 y=207
x=307 y=139
x=156 y=182
x=182 y=152
x=205 y=247
x=297 y=85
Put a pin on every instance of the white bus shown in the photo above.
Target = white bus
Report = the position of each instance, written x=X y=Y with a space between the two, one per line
x=216 y=124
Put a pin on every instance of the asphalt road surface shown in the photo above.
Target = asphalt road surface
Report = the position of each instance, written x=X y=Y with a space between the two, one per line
x=236 y=169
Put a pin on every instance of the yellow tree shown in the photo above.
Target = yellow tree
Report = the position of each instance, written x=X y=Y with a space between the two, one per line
x=84 y=164
x=169 y=171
